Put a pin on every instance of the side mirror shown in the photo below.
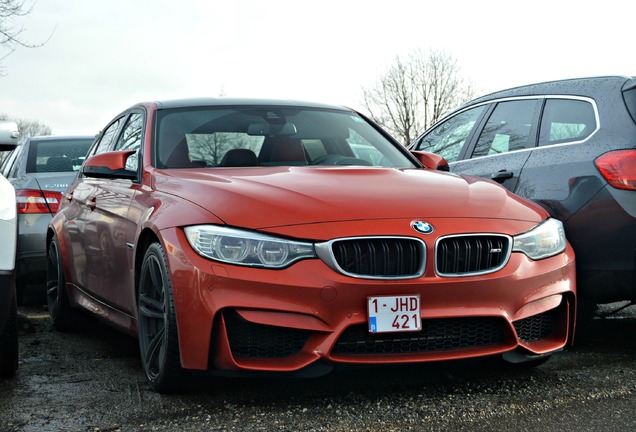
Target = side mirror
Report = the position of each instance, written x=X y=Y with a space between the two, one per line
x=109 y=165
x=431 y=160
x=9 y=135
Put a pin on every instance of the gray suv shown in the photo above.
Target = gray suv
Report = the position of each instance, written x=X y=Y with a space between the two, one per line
x=570 y=146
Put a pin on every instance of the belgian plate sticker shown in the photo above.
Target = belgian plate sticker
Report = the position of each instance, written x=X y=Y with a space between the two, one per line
x=394 y=314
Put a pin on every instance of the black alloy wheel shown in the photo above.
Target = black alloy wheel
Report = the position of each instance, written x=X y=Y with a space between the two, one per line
x=158 y=339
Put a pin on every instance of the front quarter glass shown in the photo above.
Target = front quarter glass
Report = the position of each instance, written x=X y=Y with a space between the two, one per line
x=448 y=138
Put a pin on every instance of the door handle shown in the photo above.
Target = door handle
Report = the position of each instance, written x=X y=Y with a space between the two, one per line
x=502 y=175
x=92 y=203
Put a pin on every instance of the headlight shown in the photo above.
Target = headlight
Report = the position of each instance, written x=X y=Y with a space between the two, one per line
x=245 y=247
x=545 y=240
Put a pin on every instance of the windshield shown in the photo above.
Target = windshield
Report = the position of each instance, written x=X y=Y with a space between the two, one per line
x=270 y=135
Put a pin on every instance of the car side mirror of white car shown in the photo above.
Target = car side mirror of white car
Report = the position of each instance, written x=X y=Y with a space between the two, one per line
x=9 y=135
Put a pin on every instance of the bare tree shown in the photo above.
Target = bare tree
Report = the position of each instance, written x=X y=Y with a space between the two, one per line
x=211 y=147
x=416 y=92
x=11 y=32
x=394 y=103
x=28 y=128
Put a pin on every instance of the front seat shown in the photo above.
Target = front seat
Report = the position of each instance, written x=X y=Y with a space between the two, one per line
x=287 y=151
x=239 y=158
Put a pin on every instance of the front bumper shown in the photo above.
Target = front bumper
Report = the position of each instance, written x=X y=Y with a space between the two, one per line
x=235 y=318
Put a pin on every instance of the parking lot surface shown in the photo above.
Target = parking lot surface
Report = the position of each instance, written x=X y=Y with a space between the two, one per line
x=91 y=380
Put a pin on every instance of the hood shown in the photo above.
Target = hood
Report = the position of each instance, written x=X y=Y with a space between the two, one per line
x=268 y=197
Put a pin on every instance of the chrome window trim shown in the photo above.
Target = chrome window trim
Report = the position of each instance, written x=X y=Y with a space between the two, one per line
x=324 y=251
x=537 y=97
x=504 y=262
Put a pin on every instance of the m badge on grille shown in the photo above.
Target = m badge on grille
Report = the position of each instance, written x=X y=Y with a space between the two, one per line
x=422 y=227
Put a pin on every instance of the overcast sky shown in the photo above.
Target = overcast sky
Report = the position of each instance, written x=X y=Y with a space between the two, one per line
x=105 y=55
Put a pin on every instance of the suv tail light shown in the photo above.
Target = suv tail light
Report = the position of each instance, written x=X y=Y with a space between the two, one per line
x=618 y=168
x=31 y=201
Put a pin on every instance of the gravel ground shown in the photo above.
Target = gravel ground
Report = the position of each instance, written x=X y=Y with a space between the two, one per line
x=91 y=380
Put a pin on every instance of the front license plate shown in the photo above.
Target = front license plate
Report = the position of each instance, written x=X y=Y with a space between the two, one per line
x=394 y=314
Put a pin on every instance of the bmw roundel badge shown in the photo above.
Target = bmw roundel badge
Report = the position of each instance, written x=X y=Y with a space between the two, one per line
x=422 y=227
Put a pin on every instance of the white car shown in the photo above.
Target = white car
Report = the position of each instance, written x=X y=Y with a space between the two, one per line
x=8 y=235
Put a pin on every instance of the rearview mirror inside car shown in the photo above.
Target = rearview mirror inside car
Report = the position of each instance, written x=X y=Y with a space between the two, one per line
x=271 y=129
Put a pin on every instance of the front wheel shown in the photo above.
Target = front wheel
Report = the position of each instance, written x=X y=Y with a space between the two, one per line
x=158 y=339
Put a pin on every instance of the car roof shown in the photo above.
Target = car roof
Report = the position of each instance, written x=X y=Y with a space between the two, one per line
x=200 y=102
x=61 y=137
x=586 y=86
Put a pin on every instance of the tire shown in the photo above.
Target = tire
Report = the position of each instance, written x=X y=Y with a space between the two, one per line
x=157 y=323
x=585 y=312
x=62 y=316
x=9 y=343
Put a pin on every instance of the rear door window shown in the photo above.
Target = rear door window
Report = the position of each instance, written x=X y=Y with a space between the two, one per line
x=509 y=128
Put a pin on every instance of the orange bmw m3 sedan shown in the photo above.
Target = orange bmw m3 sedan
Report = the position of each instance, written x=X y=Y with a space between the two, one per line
x=241 y=236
